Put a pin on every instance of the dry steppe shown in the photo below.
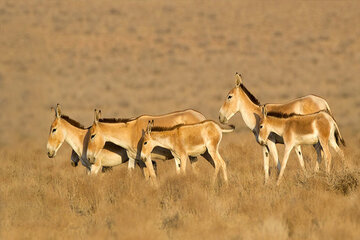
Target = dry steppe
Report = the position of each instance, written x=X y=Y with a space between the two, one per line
x=151 y=57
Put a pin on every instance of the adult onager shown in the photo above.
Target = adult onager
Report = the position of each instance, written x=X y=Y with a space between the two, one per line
x=299 y=130
x=128 y=133
x=187 y=140
x=239 y=99
x=64 y=129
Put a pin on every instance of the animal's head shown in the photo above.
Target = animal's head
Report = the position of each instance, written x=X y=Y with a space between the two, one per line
x=148 y=142
x=57 y=134
x=263 y=127
x=96 y=138
x=231 y=104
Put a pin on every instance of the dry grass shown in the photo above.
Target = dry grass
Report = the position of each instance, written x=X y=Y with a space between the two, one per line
x=48 y=198
x=158 y=56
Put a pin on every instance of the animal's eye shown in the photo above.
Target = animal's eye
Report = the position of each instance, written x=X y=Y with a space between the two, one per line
x=145 y=143
x=92 y=136
x=54 y=130
x=261 y=126
x=230 y=96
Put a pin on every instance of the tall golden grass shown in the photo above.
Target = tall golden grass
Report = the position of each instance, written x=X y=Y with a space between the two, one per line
x=48 y=198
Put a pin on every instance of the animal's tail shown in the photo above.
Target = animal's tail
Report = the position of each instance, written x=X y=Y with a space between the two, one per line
x=228 y=130
x=327 y=108
x=338 y=136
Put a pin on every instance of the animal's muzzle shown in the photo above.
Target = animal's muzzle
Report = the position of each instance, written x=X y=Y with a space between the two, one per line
x=91 y=160
x=222 y=119
x=51 y=154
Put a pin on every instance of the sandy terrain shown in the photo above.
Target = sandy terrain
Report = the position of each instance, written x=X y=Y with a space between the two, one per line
x=134 y=57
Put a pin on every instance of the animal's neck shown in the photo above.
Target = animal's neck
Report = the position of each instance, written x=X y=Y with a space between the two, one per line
x=118 y=133
x=163 y=139
x=248 y=109
x=75 y=137
x=277 y=125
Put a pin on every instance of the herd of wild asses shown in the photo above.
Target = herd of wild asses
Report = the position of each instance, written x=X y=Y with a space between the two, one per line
x=184 y=135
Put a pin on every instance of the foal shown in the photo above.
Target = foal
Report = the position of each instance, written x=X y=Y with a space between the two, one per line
x=186 y=140
x=239 y=99
x=299 y=130
x=128 y=133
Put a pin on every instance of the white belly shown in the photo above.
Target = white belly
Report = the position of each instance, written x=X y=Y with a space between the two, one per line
x=308 y=139
x=111 y=160
x=196 y=150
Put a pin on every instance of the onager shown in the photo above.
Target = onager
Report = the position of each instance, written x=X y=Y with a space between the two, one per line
x=187 y=140
x=239 y=99
x=64 y=129
x=316 y=128
x=128 y=133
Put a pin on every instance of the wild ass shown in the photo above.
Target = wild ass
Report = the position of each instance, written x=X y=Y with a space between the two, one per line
x=187 y=140
x=128 y=133
x=239 y=99
x=64 y=129
x=299 y=130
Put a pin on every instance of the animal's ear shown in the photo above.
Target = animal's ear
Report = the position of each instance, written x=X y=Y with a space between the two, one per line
x=263 y=110
x=238 y=79
x=96 y=117
x=57 y=111
x=149 y=126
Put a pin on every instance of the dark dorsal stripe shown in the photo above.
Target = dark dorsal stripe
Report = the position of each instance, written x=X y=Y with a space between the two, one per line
x=249 y=94
x=281 y=115
x=72 y=122
x=162 y=129
x=289 y=115
x=115 y=120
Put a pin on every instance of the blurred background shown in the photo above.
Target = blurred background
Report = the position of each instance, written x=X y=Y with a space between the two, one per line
x=152 y=57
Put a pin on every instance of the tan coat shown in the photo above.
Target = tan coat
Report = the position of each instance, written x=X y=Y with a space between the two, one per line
x=239 y=99
x=128 y=133
x=187 y=140
x=318 y=129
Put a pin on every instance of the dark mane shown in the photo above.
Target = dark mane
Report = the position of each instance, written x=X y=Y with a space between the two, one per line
x=162 y=129
x=72 y=122
x=282 y=115
x=249 y=94
x=115 y=120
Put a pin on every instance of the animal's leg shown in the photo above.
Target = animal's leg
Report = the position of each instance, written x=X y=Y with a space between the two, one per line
x=319 y=156
x=151 y=170
x=266 y=163
x=283 y=163
x=193 y=161
x=95 y=169
x=274 y=154
x=131 y=164
x=154 y=166
x=143 y=168
x=336 y=147
x=297 y=149
x=223 y=166
x=146 y=173
x=183 y=160
x=177 y=164
x=74 y=159
x=212 y=153
x=327 y=155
